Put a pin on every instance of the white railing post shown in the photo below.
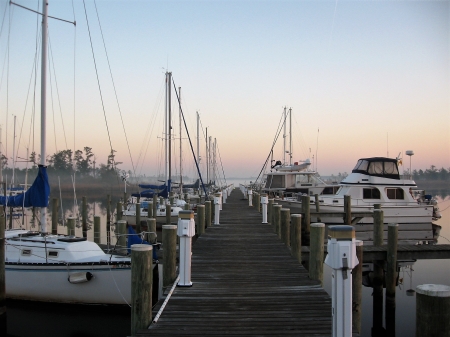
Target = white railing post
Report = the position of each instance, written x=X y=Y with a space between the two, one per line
x=185 y=230
x=342 y=259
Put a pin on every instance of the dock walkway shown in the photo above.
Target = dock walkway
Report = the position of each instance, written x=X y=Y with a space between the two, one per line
x=245 y=283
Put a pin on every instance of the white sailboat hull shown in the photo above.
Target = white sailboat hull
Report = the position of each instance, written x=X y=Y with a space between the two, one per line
x=109 y=284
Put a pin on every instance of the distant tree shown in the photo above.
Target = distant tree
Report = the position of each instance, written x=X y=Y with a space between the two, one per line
x=4 y=161
x=61 y=161
x=83 y=164
x=33 y=159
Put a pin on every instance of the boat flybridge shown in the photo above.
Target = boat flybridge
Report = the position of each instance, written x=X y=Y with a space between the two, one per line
x=289 y=180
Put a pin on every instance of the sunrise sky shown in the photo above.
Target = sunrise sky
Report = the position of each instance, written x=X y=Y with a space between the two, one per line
x=363 y=78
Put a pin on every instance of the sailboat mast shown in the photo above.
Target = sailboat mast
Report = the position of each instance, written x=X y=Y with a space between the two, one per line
x=284 y=137
x=290 y=136
x=198 y=143
x=181 y=157
x=169 y=130
x=43 y=101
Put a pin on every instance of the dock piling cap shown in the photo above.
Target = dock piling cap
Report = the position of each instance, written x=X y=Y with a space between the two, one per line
x=341 y=232
x=186 y=215
x=433 y=290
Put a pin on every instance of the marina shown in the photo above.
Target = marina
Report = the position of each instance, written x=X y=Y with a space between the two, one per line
x=134 y=229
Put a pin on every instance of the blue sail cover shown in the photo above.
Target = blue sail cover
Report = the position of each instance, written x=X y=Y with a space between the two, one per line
x=153 y=187
x=150 y=193
x=36 y=196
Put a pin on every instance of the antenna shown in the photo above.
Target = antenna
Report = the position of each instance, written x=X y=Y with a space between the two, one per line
x=317 y=146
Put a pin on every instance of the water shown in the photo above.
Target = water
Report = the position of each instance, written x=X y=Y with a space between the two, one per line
x=36 y=319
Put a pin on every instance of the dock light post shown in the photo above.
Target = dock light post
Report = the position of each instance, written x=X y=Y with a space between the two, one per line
x=186 y=230
x=249 y=192
x=220 y=200
x=342 y=259
x=264 y=202
x=224 y=196
x=216 y=208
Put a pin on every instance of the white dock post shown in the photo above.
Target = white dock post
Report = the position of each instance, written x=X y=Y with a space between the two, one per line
x=186 y=230
x=220 y=200
x=224 y=196
x=216 y=208
x=342 y=259
x=264 y=202
x=249 y=192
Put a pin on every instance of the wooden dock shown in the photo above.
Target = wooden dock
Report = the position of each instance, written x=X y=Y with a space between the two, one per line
x=245 y=283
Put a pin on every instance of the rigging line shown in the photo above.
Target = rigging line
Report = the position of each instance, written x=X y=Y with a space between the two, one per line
x=57 y=92
x=33 y=74
x=115 y=91
x=271 y=150
x=187 y=132
x=31 y=10
x=98 y=80
x=3 y=21
x=53 y=108
x=74 y=80
x=221 y=165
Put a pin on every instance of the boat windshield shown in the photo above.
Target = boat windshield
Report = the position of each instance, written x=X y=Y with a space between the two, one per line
x=381 y=167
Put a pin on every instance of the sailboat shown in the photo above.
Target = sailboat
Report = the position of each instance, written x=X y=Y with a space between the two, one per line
x=163 y=190
x=58 y=268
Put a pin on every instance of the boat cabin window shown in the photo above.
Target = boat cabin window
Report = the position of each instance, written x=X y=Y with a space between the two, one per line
x=371 y=193
x=395 y=193
x=330 y=190
x=52 y=253
x=275 y=181
x=26 y=252
x=361 y=165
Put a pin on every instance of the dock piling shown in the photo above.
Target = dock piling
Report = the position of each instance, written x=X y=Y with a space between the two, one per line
x=141 y=287
x=296 y=236
x=432 y=310
x=169 y=246
x=316 y=251
x=97 y=234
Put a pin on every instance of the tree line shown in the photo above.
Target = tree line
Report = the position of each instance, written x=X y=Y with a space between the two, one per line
x=65 y=163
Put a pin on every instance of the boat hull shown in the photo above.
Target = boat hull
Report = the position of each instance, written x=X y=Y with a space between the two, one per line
x=110 y=284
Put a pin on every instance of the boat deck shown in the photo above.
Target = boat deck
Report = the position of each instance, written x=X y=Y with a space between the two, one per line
x=245 y=282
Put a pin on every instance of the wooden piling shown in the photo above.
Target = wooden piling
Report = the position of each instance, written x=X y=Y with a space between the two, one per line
x=276 y=218
x=347 y=210
x=151 y=228
x=138 y=217
x=378 y=274
x=150 y=210
x=141 y=287
x=2 y=273
x=55 y=216
x=296 y=236
x=284 y=232
x=155 y=205
x=97 y=229
x=391 y=277
x=357 y=288
x=269 y=211
x=317 y=203
x=306 y=220
x=432 y=310
x=71 y=226
x=169 y=246
x=119 y=211
x=121 y=232
x=258 y=202
x=200 y=219
x=168 y=214
x=187 y=206
x=316 y=251
x=207 y=214
x=378 y=220
x=84 y=216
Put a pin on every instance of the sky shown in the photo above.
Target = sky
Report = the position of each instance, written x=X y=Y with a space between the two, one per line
x=363 y=79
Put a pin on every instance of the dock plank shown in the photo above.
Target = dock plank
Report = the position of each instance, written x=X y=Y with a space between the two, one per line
x=245 y=283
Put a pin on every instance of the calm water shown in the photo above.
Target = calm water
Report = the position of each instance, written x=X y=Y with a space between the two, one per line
x=33 y=319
